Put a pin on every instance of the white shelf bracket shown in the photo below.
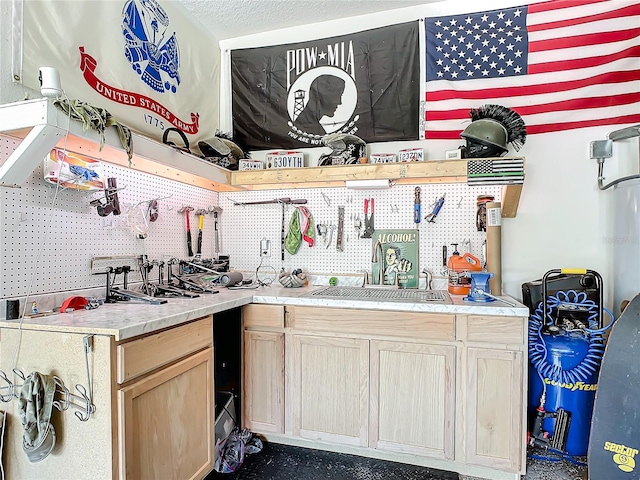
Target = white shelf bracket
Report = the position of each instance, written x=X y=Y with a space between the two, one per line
x=29 y=154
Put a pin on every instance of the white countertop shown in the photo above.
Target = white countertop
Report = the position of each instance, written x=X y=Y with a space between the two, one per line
x=125 y=320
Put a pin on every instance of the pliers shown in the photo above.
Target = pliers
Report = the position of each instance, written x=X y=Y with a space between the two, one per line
x=368 y=219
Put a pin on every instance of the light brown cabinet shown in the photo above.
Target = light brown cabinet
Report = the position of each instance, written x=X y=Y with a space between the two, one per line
x=494 y=436
x=410 y=404
x=433 y=389
x=329 y=385
x=413 y=398
x=263 y=368
x=263 y=382
x=166 y=417
x=494 y=378
x=153 y=397
x=166 y=422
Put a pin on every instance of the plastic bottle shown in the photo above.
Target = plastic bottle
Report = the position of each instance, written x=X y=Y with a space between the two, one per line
x=460 y=268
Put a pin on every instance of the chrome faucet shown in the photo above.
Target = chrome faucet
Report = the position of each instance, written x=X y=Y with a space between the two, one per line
x=379 y=260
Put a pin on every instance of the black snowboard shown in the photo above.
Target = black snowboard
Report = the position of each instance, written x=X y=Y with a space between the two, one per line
x=615 y=428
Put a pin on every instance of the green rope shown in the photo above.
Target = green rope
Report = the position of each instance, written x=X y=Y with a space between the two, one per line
x=98 y=119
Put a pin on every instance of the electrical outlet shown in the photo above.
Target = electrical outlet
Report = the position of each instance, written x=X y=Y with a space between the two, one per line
x=101 y=264
x=265 y=248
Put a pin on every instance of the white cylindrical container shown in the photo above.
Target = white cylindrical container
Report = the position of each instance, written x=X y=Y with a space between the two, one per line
x=50 y=85
x=626 y=243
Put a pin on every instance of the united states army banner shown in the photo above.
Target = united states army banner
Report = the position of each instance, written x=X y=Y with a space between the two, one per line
x=145 y=61
x=365 y=84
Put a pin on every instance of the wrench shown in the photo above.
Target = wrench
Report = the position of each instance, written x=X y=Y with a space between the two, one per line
x=330 y=237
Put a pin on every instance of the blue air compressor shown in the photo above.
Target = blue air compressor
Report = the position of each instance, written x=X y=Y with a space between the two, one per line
x=566 y=345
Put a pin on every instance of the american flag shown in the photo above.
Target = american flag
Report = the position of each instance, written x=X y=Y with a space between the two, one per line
x=495 y=172
x=561 y=65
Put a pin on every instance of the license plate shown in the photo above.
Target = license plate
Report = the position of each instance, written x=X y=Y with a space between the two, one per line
x=411 y=155
x=284 y=160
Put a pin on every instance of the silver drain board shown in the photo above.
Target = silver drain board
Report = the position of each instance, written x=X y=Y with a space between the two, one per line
x=382 y=294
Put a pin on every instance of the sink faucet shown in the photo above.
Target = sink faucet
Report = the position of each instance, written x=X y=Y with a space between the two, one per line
x=379 y=260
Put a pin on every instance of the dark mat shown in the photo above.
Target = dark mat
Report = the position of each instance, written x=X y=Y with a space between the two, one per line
x=283 y=462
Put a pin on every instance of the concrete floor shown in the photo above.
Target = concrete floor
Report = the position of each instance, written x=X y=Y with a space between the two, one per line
x=282 y=462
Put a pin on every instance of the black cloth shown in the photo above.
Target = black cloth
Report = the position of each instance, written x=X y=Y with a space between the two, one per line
x=365 y=84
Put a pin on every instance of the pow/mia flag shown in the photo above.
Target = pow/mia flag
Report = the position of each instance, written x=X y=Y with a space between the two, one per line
x=365 y=84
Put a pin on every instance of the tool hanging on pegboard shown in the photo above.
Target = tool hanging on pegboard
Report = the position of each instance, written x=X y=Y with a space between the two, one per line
x=340 y=237
x=186 y=211
x=368 y=219
x=216 y=211
x=416 y=205
x=201 y=213
x=112 y=204
x=431 y=218
x=284 y=202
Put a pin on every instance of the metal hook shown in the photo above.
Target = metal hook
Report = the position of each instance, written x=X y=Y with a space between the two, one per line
x=152 y=199
x=65 y=402
x=6 y=397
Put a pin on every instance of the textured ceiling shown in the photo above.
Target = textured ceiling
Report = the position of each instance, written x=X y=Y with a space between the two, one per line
x=237 y=18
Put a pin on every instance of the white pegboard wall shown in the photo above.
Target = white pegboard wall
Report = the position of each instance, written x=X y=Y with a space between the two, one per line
x=243 y=226
x=76 y=232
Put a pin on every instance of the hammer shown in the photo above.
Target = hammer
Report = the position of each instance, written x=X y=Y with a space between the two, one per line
x=216 y=211
x=201 y=212
x=186 y=211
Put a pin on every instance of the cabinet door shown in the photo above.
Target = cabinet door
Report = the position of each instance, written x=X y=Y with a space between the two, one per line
x=330 y=389
x=495 y=430
x=263 y=382
x=166 y=424
x=413 y=398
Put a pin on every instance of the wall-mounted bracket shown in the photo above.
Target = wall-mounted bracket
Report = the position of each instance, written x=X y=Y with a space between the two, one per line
x=602 y=149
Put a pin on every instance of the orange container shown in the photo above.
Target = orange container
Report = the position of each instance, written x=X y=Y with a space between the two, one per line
x=460 y=268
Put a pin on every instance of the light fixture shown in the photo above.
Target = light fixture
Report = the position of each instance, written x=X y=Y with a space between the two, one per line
x=380 y=184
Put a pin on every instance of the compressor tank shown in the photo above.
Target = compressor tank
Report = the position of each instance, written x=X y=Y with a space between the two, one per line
x=566 y=350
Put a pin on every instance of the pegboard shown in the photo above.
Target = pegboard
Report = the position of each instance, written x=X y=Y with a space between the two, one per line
x=52 y=247
x=76 y=233
x=245 y=225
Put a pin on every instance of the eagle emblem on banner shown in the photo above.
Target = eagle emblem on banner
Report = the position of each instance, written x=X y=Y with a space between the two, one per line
x=153 y=56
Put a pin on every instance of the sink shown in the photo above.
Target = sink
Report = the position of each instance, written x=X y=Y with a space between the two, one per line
x=383 y=294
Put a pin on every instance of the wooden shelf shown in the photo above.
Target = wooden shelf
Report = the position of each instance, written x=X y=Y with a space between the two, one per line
x=41 y=126
x=430 y=171
x=449 y=171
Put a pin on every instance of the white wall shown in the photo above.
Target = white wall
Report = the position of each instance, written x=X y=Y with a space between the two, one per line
x=563 y=221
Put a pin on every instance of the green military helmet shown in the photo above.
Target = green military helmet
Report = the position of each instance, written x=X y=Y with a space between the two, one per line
x=485 y=138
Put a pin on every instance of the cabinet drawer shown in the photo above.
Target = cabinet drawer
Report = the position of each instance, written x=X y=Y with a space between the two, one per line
x=256 y=315
x=433 y=326
x=491 y=329
x=141 y=356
